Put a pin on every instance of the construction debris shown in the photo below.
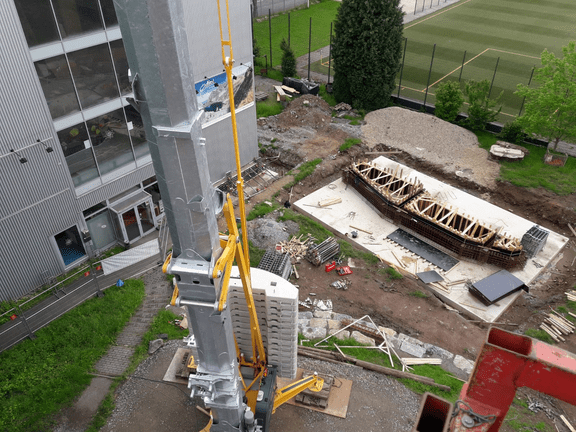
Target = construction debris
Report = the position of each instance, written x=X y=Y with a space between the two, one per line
x=342 y=106
x=571 y=295
x=557 y=326
x=295 y=247
x=342 y=284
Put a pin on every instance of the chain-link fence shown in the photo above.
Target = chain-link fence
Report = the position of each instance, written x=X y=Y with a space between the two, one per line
x=261 y=7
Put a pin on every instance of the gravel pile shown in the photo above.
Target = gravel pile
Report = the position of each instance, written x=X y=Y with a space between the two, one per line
x=433 y=140
x=265 y=233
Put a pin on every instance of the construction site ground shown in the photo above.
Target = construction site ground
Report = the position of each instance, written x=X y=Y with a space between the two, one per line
x=307 y=130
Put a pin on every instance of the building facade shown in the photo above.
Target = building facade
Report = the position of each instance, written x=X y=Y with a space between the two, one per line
x=76 y=174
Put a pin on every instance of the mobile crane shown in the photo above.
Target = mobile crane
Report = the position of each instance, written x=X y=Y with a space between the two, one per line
x=163 y=87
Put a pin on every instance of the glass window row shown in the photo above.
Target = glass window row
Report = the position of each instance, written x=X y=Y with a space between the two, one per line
x=84 y=78
x=45 y=21
x=104 y=148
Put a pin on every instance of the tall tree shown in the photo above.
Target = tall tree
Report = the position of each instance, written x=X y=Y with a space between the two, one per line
x=550 y=109
x=367 y=48
x=288 y=59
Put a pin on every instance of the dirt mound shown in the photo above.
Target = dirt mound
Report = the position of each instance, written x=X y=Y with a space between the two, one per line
x=303 y=131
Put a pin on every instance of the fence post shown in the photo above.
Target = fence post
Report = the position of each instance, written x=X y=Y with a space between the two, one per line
x=402 y=68
x=429 y=75
x=309 y=47
x=494 y=76
x=288 y=28
x=462 y=67
x=423 y=4
x=415 y=6
x=270 y=32
x=330 y=53
x=31 y=334
x=529 y=82
x=431 y=3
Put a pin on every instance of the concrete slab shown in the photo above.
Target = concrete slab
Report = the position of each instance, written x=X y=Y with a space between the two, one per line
x=355 y=210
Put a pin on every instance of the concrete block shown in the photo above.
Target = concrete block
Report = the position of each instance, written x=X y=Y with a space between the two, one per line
x=388 y=331
x=414 y=341
x=412 y=349
x=340 y=317
x=314 y=333
x=359 y=337
x=437 y=352
x=154 y=345
x=322 y=314
x=333 y=324
x=463 y=364
x=305 y=315
x=402 y=336
x=302 y=324
x=345 y=334
x=319 y=322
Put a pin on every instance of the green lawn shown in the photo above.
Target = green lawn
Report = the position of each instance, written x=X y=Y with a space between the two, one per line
x=322 y=15
x=516 y=31
x=41 y=376
x=532 y=172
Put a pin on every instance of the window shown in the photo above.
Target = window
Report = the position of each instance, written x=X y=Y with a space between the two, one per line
x=94 y=209
x=37 y=20
x=101 y=229
x=141 y=149
x=149 y=181
x=70 y=245
x=57 y=85
x=77 y=16
x=79 y=157
x=93 y=75
x=121 y=65
x=109 y=13
x=111 y=142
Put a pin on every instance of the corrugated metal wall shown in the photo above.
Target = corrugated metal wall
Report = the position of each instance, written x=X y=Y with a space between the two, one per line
x=36 y=198
x=117 y=186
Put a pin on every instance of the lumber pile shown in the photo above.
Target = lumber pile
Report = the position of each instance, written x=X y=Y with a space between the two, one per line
x=296 y=247
x=337 y=357
x=557 y=326
x=571 y=296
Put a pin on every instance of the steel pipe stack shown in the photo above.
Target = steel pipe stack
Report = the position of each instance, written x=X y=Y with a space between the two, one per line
x=317 y=254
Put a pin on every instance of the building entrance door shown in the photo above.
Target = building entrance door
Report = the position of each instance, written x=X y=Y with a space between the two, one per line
x=134 y=216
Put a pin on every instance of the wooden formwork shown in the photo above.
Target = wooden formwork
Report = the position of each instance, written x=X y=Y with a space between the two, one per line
x=441 y=223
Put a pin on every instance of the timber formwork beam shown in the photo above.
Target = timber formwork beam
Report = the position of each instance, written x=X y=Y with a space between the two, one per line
x=406 y=203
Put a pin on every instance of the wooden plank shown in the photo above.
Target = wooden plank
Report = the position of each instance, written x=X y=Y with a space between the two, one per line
x=567 y=423
x=572 y=229
x=290 y=89
x=360 y=229
x=329 y=201
x=473 y=307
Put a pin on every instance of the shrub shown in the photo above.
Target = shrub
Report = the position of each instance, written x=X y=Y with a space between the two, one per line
x=349 y=143
x=288 y=59
x=449 y=99
x=512 y=132
x=480 y=105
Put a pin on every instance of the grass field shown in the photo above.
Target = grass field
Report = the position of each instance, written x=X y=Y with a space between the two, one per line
x=322 y=15
x=516 y=31
x=513 y=31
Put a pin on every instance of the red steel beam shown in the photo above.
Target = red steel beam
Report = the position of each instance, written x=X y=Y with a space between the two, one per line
x=509 y=361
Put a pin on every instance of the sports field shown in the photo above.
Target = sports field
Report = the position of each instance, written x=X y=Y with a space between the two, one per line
x=516 y=31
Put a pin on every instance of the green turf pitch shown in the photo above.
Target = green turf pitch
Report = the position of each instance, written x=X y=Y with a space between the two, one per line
x=516 y=31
